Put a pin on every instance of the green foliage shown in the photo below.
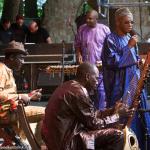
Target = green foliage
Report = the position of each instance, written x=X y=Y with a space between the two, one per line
x=83 y=9
x=39 y=4
x=1 y=7
x=40 y=12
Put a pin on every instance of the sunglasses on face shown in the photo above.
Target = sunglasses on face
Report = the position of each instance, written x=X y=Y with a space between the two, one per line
x=20 y=58
x=128 y=22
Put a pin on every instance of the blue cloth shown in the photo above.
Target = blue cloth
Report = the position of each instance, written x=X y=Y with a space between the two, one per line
x=99 y=97
x=101 y=94
x=121 y=75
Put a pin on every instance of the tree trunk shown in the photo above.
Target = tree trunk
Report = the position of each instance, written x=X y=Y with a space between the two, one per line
x=31 y=9
x=59 y=18
x=10 y=9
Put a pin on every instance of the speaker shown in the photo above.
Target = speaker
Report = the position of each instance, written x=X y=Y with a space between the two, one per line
x=46 y=79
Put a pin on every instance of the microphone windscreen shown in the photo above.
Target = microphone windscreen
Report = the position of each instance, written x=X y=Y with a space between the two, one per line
x=133 y=32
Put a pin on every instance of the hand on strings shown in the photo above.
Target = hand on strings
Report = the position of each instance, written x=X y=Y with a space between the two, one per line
x=136 y=104
x=122 y=109
x=141 y=63
x=125 y=112
x=119 y=104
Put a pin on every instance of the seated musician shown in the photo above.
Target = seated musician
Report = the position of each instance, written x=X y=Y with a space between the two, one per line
x=14 y=57
x=70 y=116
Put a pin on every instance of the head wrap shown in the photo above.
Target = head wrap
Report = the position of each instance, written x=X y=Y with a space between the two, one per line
x=121 y=12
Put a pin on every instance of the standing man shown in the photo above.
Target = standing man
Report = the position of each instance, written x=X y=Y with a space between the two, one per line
x=120 y=60
x=88 y=44
x=14 y=58
x=70 y=116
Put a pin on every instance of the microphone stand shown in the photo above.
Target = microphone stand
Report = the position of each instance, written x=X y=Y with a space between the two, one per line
x=143 y=110
x=62 y=63
x=147 y=135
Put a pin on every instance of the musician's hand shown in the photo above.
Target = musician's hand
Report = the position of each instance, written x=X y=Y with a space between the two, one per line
x=98 y=63
x=131 y=112
x=124 y=112
x=136 y=103
x=35 y=94
x=121 y=109
x=118 y=105
x=141 y=63
x=79 y=58
x=132 y=42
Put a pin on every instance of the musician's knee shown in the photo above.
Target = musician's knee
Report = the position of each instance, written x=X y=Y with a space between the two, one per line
x=118 y=139
x=34 y=113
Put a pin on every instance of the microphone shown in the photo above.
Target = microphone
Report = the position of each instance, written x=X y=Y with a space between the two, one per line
x=134 y=32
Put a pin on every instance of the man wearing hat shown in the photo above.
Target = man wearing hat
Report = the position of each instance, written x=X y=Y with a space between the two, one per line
x=14 y=58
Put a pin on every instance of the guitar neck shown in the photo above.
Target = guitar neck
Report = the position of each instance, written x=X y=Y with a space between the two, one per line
x=140 y=86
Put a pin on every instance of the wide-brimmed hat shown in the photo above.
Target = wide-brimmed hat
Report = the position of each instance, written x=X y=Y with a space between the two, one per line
x=16 y=47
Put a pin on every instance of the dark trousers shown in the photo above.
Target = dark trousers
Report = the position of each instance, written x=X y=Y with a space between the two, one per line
x=106 y=139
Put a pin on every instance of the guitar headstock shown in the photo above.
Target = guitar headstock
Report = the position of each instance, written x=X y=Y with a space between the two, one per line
x=146 y=65
x=145 y=73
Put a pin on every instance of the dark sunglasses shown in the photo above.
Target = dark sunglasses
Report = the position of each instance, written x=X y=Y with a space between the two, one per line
x=128 y=22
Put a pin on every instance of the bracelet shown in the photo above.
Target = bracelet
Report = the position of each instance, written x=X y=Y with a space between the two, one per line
x=30 y=94
x=19 y=96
